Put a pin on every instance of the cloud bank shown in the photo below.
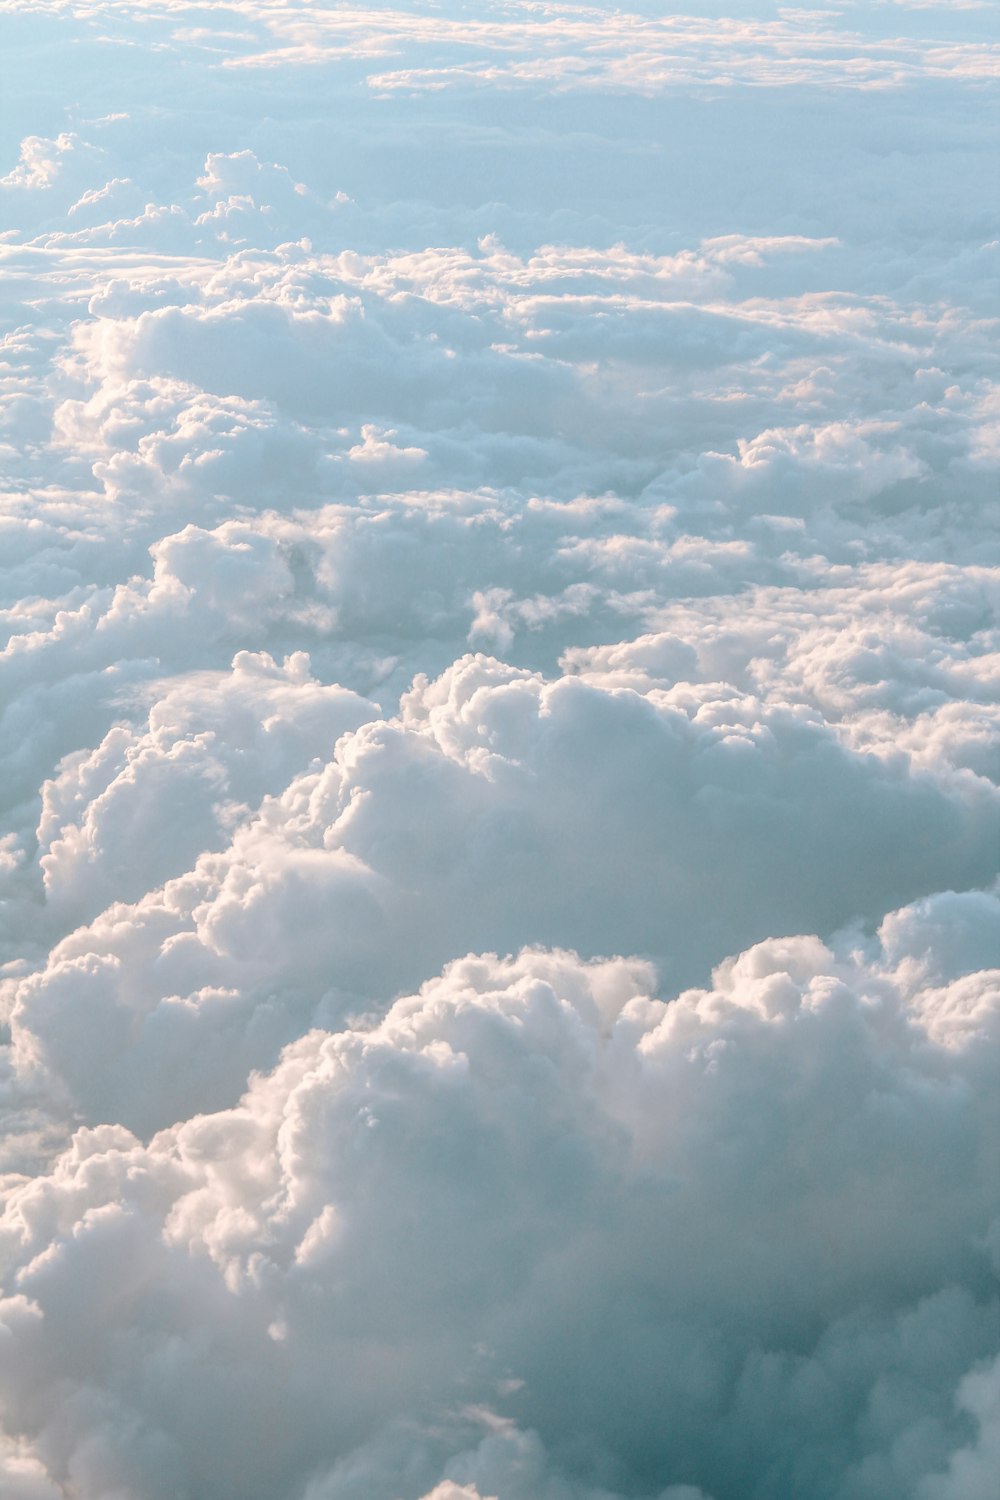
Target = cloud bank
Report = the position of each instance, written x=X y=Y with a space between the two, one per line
x=499 y=919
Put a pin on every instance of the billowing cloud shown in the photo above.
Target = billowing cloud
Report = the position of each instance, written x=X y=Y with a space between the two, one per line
x=534 y=1199
x=499 y=926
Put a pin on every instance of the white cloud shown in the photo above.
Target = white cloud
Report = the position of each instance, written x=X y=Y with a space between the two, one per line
x=529 y=1158
x=40 y=161
x=498 y=809
x=214 y=745
x=500 y=755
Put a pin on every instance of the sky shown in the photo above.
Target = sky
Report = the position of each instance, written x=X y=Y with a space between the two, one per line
x=500 y=849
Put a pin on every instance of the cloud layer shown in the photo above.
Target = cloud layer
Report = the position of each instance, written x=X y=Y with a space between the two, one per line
x=499 y=933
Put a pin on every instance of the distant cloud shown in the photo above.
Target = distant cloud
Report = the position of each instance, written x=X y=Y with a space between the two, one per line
x=40 y=161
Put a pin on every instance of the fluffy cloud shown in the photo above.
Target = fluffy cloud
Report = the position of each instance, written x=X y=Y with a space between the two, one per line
x=208 y=738
x=496 y=809
x=745 y=1230
x=40 y=161
x=498 y=718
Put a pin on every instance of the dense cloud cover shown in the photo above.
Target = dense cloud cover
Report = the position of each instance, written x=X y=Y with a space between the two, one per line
x=500 y=859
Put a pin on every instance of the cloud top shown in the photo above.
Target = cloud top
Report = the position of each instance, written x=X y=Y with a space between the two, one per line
x=499 y=678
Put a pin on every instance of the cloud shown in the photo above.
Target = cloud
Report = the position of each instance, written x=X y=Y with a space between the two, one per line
x=498 y=808
x=739 y=1197
x=40 y=161
x=214 y=744
x=970 y=1469
x=500 y=754
x=577 y=47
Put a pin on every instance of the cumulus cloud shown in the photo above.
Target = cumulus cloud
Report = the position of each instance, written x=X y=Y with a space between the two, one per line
x=39 y=162
x=496 y=808
x=499 y=923
x=637 y=1241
